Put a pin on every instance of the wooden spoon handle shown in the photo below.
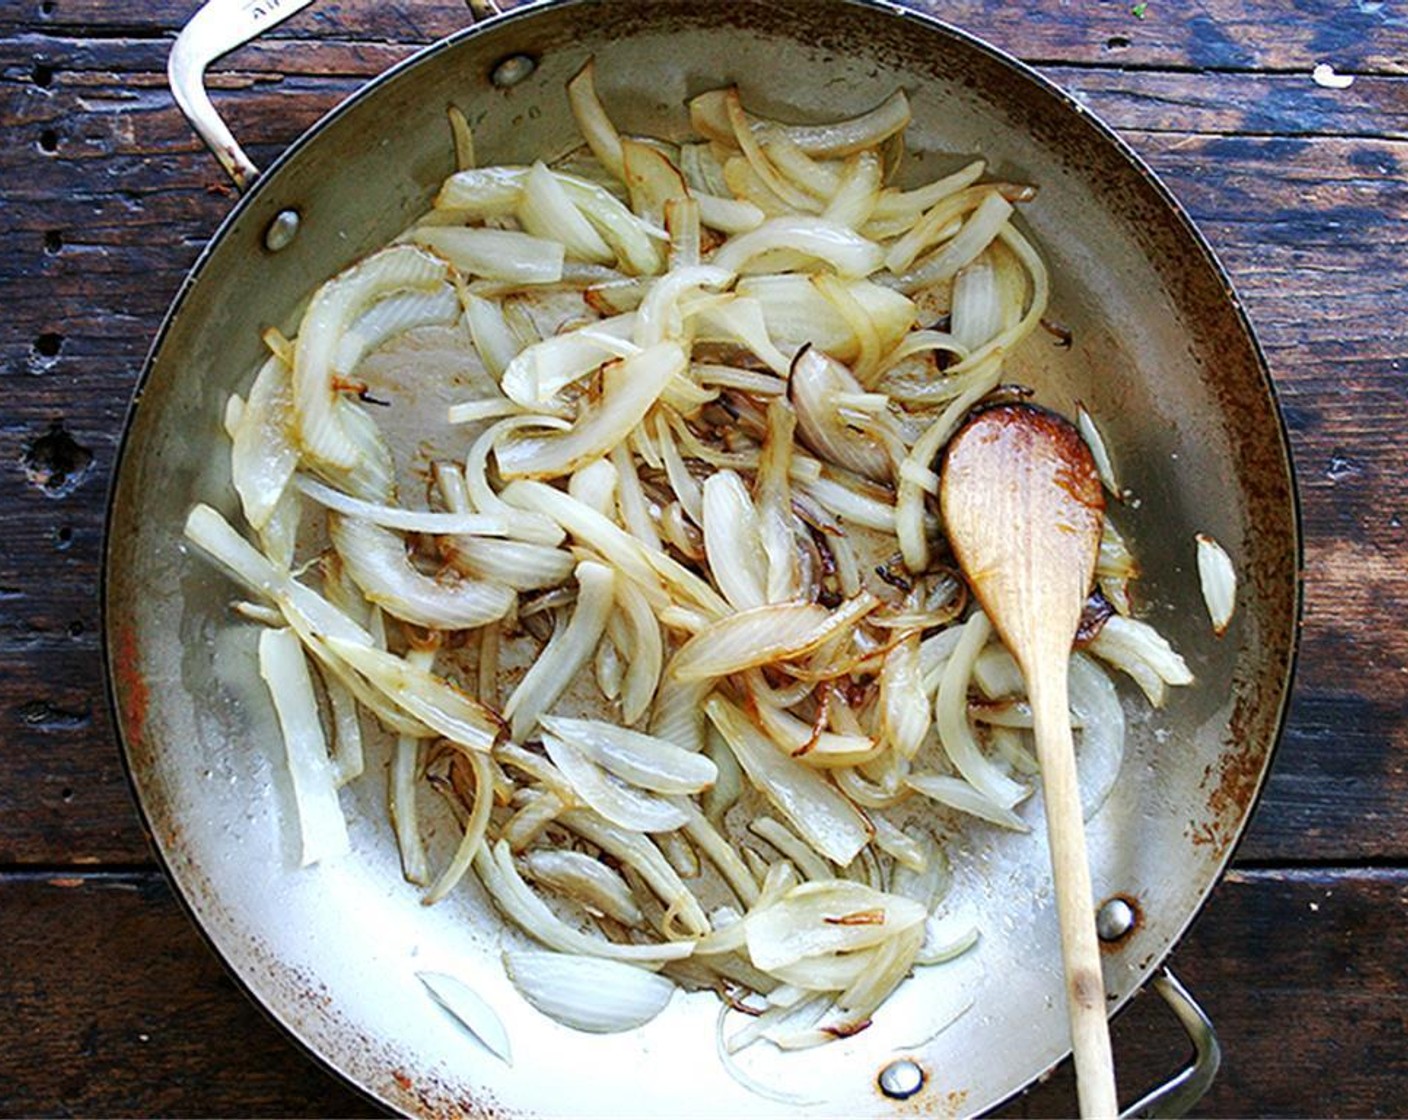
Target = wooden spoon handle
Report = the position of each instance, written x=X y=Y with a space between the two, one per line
x=1075 y=909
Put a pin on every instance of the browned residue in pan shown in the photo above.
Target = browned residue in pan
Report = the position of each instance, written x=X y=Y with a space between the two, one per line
x=132 y=692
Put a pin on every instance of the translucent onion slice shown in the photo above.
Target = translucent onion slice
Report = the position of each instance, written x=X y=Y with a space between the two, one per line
x=494 y=340
x=728 y=215
x=636 y=243
x=263 y=455
x=546 y=211
x=322 y=829
x=1100 y=744
x=658 y=317
x=796 y=313
x=1141 y=651
x=588 y=993
x=392 y=316
x=809 y=803
x=1218 y=579
x=585 y=880
x=905 y=714
x=376 y=560
x=642 y=760
x=951 y=713
x=708 y=115
x=858 y=192
x=514 y=564
x=397 y=517
x=830 y=916
x=335 y=306
x=497 y=254
x=816 y=381
x=643 y=856
x=483 y=192
x=652 y=180
x=976 y=235
x=958 y=794
x=650 y=570
x=785 y=841
x=348 y=758
x=775 y=632
x=596 y=127
x=563 y=659
x=429 y=698
x=630 y=389
x=977 y=312
x=475 y=829
x=731 y=541
x=501 y=879
x=616 y=801
x=538 y=372
x=847 y=252
x=646 y=658
x=471 y=1011
x=1093 y=439
x=807 y=743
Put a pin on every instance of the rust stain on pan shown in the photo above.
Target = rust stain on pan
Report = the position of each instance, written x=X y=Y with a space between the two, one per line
x=132 y=691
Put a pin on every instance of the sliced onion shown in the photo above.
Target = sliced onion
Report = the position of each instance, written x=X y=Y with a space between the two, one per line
x=483 y=192
x=951 y=711
x=348 y=759
x=815 y=382
x=905 y=713
x=636 y=243
x=643 y=760
x=585 y=880
x=652 y=180
x=629 y=390
x=334 y=307
x=731 y=540
x=392 y=316
x=493 y=338
x=651 y=571
x=976 y=235
x=658 y=317
x=1218 y=579
x=429 y=698
x=807 y=743
x=471 y=1011
x=501 y=879
x=616 y=801
x=643 y=856
x=475 y=829
x=497 y=254
x=322 y=828
x=740 y=320
x=647 y=652
x=563 y=659
x=1091 y=434
x=1100 y=751
x=546 y=211
x=395 y=517
x=787 y=842
x=858 y=192
x=263 y=455
x=588 y=993
x=808 y=802
x=1143 y=653
x=600 y=134
x=537 y=373
x=514 y=564
x=831 y=916
x=728 y=215
x=376 y=560
x=843 y=249
x=708 y=115
x=958 y=794
x=774 y=632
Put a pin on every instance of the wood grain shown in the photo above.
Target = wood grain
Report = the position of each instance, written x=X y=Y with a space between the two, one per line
x=129 y=1014
x=117 y=1008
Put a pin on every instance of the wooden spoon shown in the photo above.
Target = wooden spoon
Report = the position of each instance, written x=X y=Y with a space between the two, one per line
x=1022 y=505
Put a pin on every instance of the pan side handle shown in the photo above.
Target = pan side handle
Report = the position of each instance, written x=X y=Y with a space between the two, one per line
x=1178 y=1095
x=216 y=29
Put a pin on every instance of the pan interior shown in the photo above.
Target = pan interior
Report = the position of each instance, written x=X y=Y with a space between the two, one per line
x=1160 y=354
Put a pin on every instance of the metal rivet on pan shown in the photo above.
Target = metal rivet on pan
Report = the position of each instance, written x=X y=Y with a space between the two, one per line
x=901 y=1079
x=282 y=230
x=1114 y=919
x=512 y=70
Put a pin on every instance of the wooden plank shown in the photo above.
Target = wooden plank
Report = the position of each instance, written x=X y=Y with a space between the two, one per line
x=1235 y=35
x=99 y=232
x=135 y=1017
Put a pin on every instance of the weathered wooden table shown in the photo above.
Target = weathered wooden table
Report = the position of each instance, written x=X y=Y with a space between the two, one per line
x=112 y=1002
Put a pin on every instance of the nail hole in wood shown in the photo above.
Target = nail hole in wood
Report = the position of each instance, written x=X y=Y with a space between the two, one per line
x=42 y=76
x=53 y=241
x=48 y=344
x=49 y=141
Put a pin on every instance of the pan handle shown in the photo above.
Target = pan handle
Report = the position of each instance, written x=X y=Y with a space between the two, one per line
x=1178 y=1095
x=216 y=29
